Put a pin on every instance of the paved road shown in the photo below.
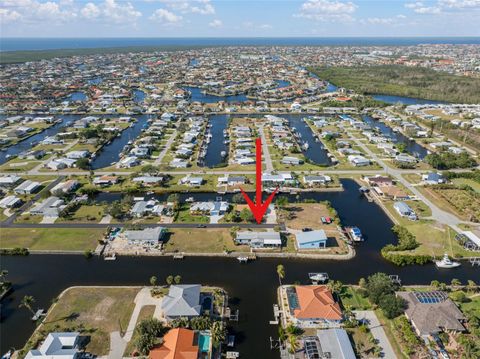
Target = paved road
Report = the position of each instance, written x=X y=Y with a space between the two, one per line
x=159 y=159
x=28 y=204
x=370 y=318
x=437 y=214
x=266 y=152
x=142 y=225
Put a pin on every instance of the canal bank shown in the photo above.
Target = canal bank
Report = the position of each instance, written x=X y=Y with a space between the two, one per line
x=252 y=287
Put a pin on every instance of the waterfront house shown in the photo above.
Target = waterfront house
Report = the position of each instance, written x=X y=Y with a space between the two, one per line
x=179 y=163
x=182 y=301
x=128 y=162
x=432 y=313
x=259 y=239
x=60 y=163
x=379 y=181
x=313 y=306
x=230 y=180
x=311 y=239
x=404 y=210
x=391 y=192
x=27 y=187
x=315 y=180
x=63 y=345
x=216 y=208
x=433 y=178
x=105 y=180
x=328 y=343
x=64 y=187
x=49 y=207
x=405 y=159
x=76 y=155
x=191 y=181
x=149 y=180
x=274 y=180
x=182 y=343
x=141 y=208
x=10 y=202
x=147 y=237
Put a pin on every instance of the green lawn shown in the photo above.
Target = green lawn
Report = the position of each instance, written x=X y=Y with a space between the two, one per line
x=86 y=213
x=99 y=310
x=185 y=216
x=67 y=239
x=202 y=240
x=351 y=297
x=469 y=182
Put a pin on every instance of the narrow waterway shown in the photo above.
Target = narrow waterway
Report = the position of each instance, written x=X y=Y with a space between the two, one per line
x=217 y=143
x=111 y=153
x=199 y=96
x=77 y=96
x=251 y=287
x=315 y=152
x=412 y=146
x=404 y=100
x=139 y=96
x=31 y=141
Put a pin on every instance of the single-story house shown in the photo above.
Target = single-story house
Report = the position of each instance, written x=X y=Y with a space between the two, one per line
x=182 y=301
x=314 y=306
x=191 y=181
x=146 y=236
x=433 y=178
x=432 y=312
x=27 y=187
x=311 y=239
x=128 y=162
x=178 y=163
x=64 y=345
x=148 y=180
x=180 y=343
x=328 y=343
x=379 y=181
x=274 y=180
x=404 y=210
x=49 y=207
x=391 y=192
x=358 y=161
x=259 y=239
x=76 y=155
x=10 y=202
x=232 y=180
x=65 y=187
x=211 y=208
x=140 y=208
x=315 y=180
x=105 y=180
x=9 y=181
x=289 y=160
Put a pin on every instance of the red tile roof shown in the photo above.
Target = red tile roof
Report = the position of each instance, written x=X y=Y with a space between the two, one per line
x=316 y=301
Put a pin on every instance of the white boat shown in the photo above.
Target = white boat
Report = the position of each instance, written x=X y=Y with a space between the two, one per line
x=318 y=277
x=189 y=200
x=355 y=234
x=446 y=262
x=306 y=146
x=242 y=259
x=223 y=153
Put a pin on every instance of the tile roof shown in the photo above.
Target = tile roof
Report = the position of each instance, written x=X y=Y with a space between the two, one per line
x=316 y=301
x=178 y=344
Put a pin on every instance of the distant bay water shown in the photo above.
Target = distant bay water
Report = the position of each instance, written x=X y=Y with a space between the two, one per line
x=19 y=44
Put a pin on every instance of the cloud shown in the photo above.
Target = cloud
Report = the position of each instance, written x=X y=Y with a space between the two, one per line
x=32 y=11
x=90 y=11
x=443 y=6
x=166 y=17
x=120 y=13
x=202 y=7
x=7 y=16
x=215 y=23
x=326 y=10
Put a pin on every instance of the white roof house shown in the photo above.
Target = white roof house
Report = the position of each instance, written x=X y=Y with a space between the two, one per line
x=27 y=187
x=259 y=239
x=49 y=207
x=10 y=202
x=182 y=301
x=57 y=346
x=9 y=180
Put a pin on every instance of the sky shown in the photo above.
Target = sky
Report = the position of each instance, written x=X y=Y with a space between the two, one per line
x=238 y=18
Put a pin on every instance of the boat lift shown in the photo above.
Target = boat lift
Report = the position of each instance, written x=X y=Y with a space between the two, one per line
x=395 y=279
x=474 y=261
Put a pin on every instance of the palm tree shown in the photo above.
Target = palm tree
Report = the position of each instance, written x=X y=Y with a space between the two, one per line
x=177 y=279
x=471 y=286
x=435 y=283
x=455 y=283
x=153 y=281
x=292 y=340
x=27 y=302
x=280 y=273
x=169 y=279
x=3 y=274
x=219 y=333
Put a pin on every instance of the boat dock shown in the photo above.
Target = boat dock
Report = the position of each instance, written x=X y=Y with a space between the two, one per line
x=474 y=261
x=38 y=314
x=276 y=314
x=318 y=277
x=178 y=256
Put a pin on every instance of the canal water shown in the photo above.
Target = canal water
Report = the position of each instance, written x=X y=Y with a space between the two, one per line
x=138 y=96
x=77 y=96
x=111 y=152
x=198 y=96
x=29 y=142
x=251 y=287
x=213 y=156
x=412 y=146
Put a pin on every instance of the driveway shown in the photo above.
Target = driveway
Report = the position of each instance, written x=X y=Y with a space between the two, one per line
x=370 y=318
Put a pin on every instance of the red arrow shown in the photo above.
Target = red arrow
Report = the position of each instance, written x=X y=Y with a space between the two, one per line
x=258 y=208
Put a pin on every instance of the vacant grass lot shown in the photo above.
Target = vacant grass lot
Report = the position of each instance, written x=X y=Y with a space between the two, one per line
x=85 y=213
x=98 y=310
x=66 y=239
x=202 y=240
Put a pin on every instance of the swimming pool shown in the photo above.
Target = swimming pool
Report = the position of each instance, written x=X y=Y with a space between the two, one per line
x=204 y=342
